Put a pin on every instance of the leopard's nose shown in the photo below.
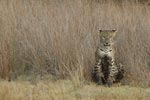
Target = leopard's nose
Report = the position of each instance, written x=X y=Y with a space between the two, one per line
x=106 y=44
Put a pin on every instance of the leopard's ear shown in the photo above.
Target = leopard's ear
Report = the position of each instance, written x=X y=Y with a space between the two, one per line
x=100 y=31
x=114 y=32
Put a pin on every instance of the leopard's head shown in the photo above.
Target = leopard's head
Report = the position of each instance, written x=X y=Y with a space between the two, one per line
x=106 y=36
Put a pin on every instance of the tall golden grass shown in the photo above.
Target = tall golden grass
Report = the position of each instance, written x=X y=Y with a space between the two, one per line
x=59 y=37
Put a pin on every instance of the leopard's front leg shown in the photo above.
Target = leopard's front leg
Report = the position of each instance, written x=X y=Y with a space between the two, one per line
x=98 y=71
x=112 y=71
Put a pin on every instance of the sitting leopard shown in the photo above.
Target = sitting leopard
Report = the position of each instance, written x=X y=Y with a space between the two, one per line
x=105 y=70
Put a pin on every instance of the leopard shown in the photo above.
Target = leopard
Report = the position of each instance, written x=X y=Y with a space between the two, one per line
x=106 y=70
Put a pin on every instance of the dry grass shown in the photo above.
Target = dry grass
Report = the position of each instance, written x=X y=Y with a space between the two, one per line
x=53 y=39
x=59 y=37
x=65 y=90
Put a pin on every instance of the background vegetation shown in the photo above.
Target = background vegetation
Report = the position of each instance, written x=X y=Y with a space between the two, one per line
x=47 y=48
x=58 y=38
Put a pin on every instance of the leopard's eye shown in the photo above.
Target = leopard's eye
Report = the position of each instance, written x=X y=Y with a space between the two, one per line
x=103 y=38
